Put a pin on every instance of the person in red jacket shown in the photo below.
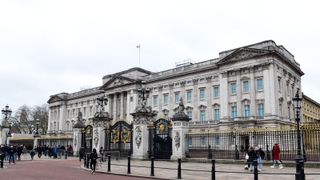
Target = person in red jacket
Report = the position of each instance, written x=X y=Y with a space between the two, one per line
x=276 y=156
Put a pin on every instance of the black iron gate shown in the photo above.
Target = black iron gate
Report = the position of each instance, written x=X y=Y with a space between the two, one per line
x=120 y=138
x=162 y=141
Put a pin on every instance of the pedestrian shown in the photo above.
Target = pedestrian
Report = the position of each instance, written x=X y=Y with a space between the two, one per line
x=32 y=153
x=11 y=154
x=276 y=156
x=252 y=156
x=81 y=153
x=19 y=151
x=101 y=154
x=260 y=158
x=93 y=160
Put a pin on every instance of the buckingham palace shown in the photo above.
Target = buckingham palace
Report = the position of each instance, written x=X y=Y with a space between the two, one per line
x=249 y=87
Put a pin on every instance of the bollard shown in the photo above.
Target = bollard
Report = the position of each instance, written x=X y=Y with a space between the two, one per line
x=152 y=166
x=255 y=164
x=129 y=168
x=213 y=169
x=1 y=160
x=109 y=163
x=179 y=168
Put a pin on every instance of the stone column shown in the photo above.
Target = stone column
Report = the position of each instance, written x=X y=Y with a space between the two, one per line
x=77 y=136
x=36 y=141
x=179 y=131
x=121 y=105
x=114 y=107
x=140 y=141
x=179 y=142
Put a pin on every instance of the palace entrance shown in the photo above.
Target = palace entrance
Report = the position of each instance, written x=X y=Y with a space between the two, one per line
x=162 y=141
x=120 y=138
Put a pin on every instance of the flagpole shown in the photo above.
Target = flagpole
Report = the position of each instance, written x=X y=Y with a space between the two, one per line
x=139 y=55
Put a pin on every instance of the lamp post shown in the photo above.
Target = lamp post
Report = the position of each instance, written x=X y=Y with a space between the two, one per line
x=299 y=158
x=5 y=124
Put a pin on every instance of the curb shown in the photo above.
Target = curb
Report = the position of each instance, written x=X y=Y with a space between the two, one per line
x=119 y=174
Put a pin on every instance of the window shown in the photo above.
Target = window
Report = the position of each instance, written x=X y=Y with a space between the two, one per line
x=289 y=112
x=91 y=109
x=216 y=92
x=259 y=85
x=177 y=97
x=234 y=111
x=155 y=100
x=85 y=112
x=189 y=96
x=233 y=88
x=202 y=94
x=217 y=114
x=68 y=113
x=190 y=141
x=189 y=113
x=246 y=110
x=165 y=99
x=245 y=87
x=216 y=140
x=73 y=112
x=260 y=110
x=280 y=109
x=202 y=115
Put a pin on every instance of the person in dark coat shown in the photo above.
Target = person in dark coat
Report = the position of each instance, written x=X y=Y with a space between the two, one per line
x=19 y=151
x=252 y=156
x=93 y=160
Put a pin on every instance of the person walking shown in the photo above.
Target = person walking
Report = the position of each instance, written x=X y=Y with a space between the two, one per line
x=12 y=151
x=101 y=154
x=93 y=160
x=32 y=153
x=260 y=158
x=252 y=156
x=276 y=156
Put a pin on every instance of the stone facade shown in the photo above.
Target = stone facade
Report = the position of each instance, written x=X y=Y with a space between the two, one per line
x=250 y=86
x=310 y=111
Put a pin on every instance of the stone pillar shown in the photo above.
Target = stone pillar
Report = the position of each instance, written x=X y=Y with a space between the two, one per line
x=77 y=137
x=4 y=134
x=179 y=142
x=114 y=107
x=140 y=141
x=121 y=106
x=36 y=141
x=98 y=137
x=179 y=131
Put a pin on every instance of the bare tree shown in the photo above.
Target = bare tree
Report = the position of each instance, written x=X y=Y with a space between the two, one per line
x=24 y=120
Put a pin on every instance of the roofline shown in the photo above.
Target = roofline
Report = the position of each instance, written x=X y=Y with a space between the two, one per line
x=308 y=98
x=128 y=70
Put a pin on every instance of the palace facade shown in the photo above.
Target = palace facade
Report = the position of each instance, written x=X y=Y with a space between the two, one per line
x=246 y=87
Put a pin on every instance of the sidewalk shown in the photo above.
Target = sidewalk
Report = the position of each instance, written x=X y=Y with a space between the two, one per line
x=200 y=171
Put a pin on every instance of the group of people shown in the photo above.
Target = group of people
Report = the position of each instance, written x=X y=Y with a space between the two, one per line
x=259 y=155
x=12 y=153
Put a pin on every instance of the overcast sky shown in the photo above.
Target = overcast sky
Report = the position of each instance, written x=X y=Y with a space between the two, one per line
x=48 y=47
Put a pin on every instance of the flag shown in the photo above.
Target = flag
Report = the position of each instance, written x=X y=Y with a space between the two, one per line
x=138 y=46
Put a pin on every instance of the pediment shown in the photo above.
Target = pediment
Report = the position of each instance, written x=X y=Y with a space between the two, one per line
x=55 y=99
x=117 y=81
x=242 y=54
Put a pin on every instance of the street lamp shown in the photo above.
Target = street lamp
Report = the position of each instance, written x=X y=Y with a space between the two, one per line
x=299 y=158
x=36 y=134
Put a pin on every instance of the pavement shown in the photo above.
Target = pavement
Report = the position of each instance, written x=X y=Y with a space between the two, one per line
x=53 y=169
x=201 y=171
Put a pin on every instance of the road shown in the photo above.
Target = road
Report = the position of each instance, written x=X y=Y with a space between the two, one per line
x=53 y=169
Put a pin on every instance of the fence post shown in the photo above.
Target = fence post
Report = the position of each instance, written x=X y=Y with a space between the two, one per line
x=87 y=158
x=129 y=168
x=255 y=164
x=109 y=163
x=179 y=168
x=213 y=169
x=152 y=166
